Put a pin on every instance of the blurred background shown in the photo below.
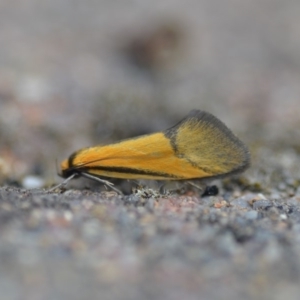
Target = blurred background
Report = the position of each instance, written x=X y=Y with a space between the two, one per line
x=79 y=73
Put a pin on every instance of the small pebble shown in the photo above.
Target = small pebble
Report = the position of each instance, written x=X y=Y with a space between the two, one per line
x=261 y=204
x=242 y=202
x=251 y=215
x=32 y=182
x=283 y=217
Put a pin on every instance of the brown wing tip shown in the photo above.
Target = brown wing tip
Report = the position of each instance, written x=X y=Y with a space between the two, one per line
x=203 y=116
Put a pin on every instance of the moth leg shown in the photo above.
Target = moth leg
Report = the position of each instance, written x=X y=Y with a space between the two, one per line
x=200 y=188
x=171 y=187
x=63 y=183
x=106 y=182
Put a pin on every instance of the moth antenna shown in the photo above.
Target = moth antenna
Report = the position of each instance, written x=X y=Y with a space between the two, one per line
x=56 y=167
x=62 y=183
x=106 y=182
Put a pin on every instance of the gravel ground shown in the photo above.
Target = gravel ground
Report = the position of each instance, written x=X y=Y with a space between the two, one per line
x=87 y=244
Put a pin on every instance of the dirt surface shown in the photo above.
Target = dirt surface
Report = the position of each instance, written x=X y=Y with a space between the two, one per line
x=86 y=244
x=80 y=73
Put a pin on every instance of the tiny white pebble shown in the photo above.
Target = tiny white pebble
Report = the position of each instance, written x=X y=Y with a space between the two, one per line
x=68 y=215
x=261 y=196
x=32 y=182
x=283 y=216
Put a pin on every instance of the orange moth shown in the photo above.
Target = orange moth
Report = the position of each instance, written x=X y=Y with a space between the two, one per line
x=199 y=146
